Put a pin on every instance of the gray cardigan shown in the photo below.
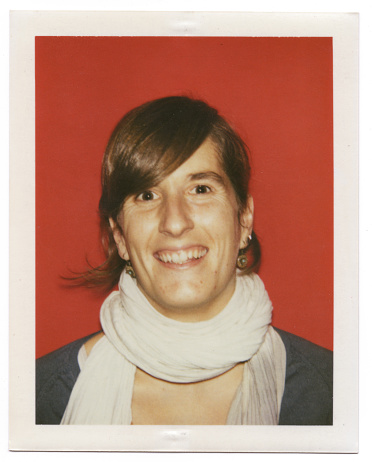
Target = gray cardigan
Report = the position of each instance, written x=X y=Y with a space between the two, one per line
x=307 y=399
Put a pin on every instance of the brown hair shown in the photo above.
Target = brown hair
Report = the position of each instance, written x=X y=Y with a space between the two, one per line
x=149 y=143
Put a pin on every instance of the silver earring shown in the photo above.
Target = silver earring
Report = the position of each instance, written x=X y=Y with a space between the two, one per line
x=247 y=243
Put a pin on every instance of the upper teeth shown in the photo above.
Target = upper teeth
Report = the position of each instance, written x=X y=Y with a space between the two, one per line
x=182 y=256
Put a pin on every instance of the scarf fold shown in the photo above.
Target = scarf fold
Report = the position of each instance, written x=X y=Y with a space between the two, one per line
x=259 y=397
x=137 y=335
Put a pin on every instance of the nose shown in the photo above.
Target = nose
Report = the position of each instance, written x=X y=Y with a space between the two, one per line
x=176 y=218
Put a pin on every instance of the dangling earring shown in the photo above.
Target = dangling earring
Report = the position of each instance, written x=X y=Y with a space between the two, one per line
x=129 y=269
x=242 y=260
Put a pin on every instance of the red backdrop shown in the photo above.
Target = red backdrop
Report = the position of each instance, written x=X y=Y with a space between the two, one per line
x=278 y=94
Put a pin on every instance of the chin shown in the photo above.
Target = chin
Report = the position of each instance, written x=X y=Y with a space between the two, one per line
x=188 y=304
x=189 y=298
x=184 y=299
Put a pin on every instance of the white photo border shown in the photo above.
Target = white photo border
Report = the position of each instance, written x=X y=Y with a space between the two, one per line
x=24 y=434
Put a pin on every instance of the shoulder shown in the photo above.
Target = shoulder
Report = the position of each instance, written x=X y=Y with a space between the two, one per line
x=308 y=393
x=56 y=374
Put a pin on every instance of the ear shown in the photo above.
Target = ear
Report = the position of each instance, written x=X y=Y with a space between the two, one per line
x=119 y=240
x=246 y=222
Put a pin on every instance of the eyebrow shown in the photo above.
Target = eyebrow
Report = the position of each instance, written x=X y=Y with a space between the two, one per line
x=208 y=176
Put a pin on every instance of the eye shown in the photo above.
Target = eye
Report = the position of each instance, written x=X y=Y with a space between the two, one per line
x=201 y=189
x=147 y=196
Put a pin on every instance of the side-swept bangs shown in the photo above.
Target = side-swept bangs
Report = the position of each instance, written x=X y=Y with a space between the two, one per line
x=148 y=144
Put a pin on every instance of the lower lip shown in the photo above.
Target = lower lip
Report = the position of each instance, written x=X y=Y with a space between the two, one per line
x=188 y=264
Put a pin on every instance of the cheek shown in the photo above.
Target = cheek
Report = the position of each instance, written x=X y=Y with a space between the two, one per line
x=227 y=235
x=138 y=233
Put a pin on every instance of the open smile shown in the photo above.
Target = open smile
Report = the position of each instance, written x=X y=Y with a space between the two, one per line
x=182 y=256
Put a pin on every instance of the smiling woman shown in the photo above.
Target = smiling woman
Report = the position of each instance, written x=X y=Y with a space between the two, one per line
x=185 y=264
x=187 y=338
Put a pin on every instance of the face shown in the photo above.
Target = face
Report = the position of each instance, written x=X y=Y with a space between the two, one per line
x=183 y=237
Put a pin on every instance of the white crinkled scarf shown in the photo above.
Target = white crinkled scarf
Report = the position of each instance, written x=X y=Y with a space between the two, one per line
x=137 y=335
